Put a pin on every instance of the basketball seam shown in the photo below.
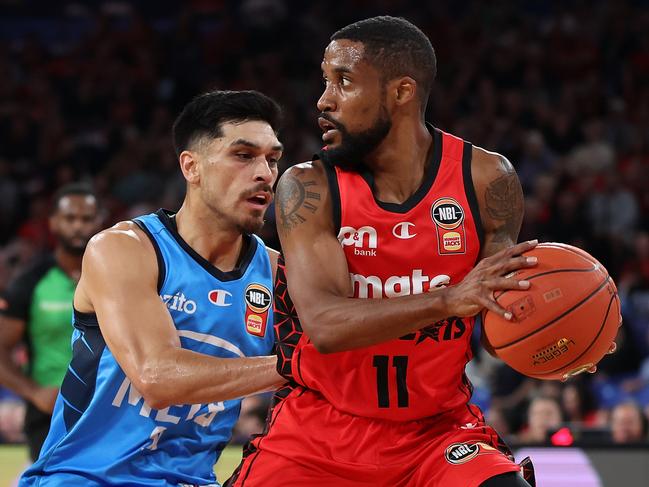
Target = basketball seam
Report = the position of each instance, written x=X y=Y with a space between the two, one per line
x=551 y=322
x=546 y=273
x=601 y=328
x=558 y=245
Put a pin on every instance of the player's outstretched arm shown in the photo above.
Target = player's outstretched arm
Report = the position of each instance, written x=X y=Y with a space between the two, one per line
x=119 y=283
x=320 y=286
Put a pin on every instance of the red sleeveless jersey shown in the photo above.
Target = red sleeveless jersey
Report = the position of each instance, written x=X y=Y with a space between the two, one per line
x=396 y=250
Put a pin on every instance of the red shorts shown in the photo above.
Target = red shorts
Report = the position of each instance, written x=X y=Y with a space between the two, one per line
x=310 y=443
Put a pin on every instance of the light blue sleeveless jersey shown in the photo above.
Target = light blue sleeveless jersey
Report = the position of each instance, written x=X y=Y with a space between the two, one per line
x=103 y=433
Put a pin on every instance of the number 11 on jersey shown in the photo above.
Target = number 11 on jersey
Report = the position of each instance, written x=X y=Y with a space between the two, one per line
x=382 y=364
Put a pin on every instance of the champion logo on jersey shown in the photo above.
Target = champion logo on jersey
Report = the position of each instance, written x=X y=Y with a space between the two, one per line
x=219 y=297
x=403 y=230
x=258 y=300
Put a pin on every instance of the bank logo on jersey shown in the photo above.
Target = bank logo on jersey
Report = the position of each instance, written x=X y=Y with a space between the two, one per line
x=258 y=300
x=219 y=297
x=364 y=240
x=448 y=216
x=402 y=230
x=178 y=302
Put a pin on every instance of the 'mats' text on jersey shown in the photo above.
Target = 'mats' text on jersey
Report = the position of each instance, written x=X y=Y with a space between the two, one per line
x=415 y=283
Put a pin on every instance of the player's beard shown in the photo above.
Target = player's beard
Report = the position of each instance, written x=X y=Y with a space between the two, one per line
x=354 y=147
x=243 y=223
x=73 y=246
x=251 y=225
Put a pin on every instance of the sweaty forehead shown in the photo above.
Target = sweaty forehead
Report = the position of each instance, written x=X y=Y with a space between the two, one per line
x=343 y=53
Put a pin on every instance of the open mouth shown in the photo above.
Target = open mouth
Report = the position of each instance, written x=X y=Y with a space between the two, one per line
x=261 y=199
x=328 y=129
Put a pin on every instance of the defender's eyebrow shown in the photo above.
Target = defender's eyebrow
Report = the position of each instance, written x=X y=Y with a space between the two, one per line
x=342 y=70
x=252 y=145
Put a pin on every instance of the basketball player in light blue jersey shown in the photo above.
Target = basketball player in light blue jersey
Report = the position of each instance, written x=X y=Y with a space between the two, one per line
x=173 y=316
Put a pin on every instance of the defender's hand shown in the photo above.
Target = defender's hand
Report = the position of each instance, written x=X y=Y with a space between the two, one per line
x=475 y=291
x=44 y=398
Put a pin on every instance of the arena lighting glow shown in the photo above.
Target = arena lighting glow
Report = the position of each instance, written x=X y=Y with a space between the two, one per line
x=563 y=437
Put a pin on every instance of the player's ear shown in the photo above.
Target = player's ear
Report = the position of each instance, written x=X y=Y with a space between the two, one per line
x=189 y=166
x=404 y=89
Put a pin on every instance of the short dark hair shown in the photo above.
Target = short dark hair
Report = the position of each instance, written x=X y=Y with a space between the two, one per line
x=72 y=189
x=205 y=114
x=396 y=48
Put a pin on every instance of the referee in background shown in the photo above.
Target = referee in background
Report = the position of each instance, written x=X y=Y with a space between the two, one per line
x=36 y=309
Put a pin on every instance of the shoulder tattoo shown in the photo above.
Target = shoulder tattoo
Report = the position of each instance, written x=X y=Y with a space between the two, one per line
x=504 y=201
x=296 y=200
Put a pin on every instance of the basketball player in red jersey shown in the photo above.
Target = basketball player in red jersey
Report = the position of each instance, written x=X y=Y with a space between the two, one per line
x=392 y=208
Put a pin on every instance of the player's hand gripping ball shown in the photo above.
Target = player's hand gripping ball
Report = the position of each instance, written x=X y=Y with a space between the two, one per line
x=564 y=323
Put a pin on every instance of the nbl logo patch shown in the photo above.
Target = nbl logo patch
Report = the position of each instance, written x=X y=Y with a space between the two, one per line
x=447 y=213
x=448 y=216
x=258 y=300
x=459 y=453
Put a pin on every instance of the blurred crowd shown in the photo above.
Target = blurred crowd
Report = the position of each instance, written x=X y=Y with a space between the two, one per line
x=89 y=91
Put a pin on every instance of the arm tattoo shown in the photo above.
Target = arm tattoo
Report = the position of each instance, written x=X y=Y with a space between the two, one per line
x=504 y=198
x=295 y=200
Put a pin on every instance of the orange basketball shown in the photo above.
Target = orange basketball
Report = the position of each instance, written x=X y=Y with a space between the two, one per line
x=564 y=323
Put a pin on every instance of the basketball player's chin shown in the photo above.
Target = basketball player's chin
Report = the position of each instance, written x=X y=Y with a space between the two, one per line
x=333 y=144
x=331 y=139
x=252 y=224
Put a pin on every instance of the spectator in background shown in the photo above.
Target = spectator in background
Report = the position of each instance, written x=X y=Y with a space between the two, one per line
x=543 y=416
x=496 y=418
x=12 y=412
x=535 y=160
x=252 y=418
x=36 y=309
x=578 y=403
x=595 y=155
x=628 y=424
x=613 y=210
